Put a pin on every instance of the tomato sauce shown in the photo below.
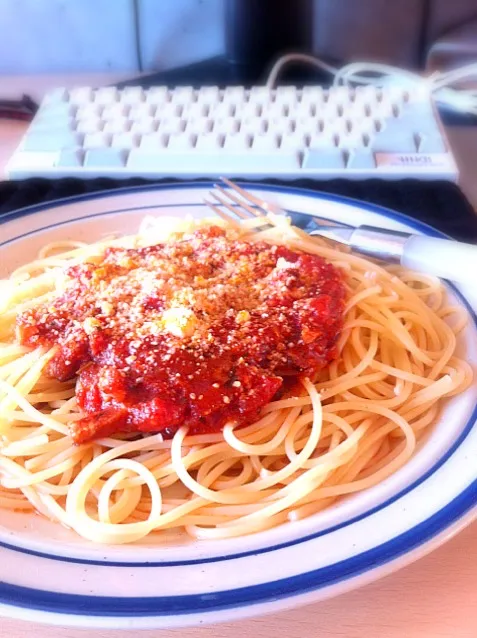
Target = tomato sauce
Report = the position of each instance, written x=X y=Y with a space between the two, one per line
x=199 y=332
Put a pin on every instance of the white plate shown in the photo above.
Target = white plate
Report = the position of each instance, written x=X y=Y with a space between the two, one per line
x=48 y=574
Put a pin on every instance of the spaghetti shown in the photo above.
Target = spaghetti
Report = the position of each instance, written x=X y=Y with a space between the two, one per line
x=339 y=430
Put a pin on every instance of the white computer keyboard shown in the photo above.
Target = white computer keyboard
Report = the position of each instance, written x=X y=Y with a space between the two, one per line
x=284 y=132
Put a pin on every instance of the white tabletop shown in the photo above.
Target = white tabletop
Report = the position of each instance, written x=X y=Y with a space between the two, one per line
x=433 y=598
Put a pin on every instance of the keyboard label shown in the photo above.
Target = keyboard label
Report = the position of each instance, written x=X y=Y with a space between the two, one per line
x=414 y=160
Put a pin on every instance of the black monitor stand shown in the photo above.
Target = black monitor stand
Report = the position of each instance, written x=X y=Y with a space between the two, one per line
x=257 y=33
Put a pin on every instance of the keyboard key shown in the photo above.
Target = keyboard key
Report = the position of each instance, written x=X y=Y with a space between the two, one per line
x=326 y=139
x=209 y=143
x=132 y=95
x=80 y=95
x=224 y=112
x=323 y=158
x=312 y=95
x=181 y=142
x=233 y=95
x=303 y=110
x=31 y=160
x=138 y=111
x=198 y=125
x=208 y=95
x=56 y=111
x=425 y=126
x=252 y=125
x=287 y=96
x=168 y=110
x=56 y=96
x=337 y=128
x=70 y=158
x=85 y=111
x=151 y=163
x=276 y=111
x=117 y=125
x=92 y=125
x=195 y=110
x=340 y=95
x=259 y=162
x=249 y=111
x=171 y=125
x=105 y=158
x=143 y=126
x=393 y=140
x=212 y=162
x=384 y=110
x=328 y=111
x=117 y=110
x=350 y=139
x=52 y=126
x=307 y=125
x=237 y=142
x=182 y=95
x=431 y=144
x=361 y=159
x=97 y=140
x=396 y=94
x=261 y=95
x=365 y=95
x=293 y=142
x=49 y=141
x=106 y=95
x=125 y=140
x=154 y=142
x=280 y=125
x=418 y=109
x=264 y=143
x=225 y=125
x=157 y=95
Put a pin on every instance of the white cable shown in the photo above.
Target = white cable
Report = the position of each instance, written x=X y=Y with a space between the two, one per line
x=351 y=73
x=297 y=57
x=439 y=84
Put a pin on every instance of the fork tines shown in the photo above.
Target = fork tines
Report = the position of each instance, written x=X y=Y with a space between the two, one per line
x=245 y=207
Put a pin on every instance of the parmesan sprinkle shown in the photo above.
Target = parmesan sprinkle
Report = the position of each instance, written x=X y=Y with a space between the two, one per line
x=242 y=317
x=90 y=324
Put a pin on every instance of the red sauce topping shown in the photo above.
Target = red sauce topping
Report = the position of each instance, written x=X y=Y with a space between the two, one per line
x=196 y=332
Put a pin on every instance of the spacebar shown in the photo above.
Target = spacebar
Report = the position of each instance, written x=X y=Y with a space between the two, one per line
x=204 y=163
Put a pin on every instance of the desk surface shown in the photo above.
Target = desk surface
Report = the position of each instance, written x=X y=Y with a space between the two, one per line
x=433 y=598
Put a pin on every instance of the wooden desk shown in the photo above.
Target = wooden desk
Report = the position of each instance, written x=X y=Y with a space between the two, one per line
x=434 y=598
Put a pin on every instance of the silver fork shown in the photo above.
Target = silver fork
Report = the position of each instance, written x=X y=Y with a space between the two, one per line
x=444 y=258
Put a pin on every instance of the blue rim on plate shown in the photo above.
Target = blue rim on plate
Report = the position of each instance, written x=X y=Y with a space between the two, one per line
x=75 y=604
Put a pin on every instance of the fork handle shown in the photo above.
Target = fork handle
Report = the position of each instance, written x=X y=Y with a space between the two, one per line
x=444 y=258
x=440 y=257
